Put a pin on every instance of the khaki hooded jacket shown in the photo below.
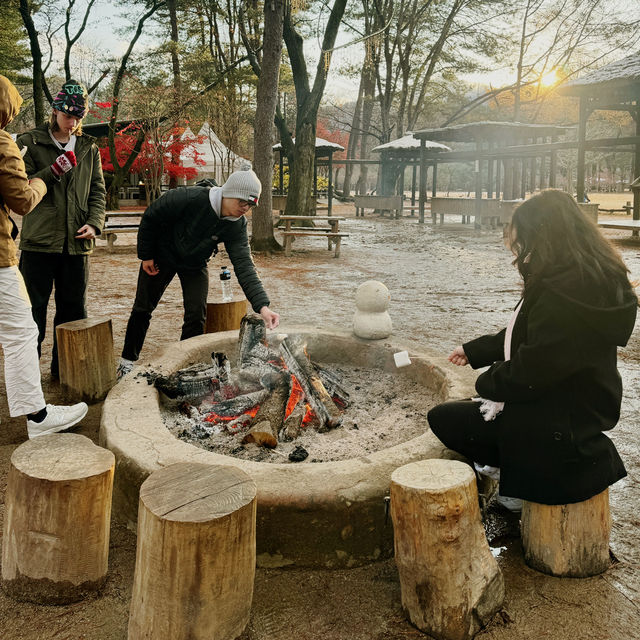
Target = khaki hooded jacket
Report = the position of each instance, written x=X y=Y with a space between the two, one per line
x=16 y=193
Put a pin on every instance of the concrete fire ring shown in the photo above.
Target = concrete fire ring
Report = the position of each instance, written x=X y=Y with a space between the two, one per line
x=328 y=514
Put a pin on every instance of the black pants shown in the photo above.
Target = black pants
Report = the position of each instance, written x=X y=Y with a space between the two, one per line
x=195 y=286
x=460 y=426
x=70 y=276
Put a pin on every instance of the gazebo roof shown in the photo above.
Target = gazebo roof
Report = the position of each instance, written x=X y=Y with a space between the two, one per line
x=323 y=147
x=494 y=131
x=620 y=75
x=408 y=143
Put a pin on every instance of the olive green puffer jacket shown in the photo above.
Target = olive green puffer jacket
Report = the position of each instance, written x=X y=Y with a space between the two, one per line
x=78 y=198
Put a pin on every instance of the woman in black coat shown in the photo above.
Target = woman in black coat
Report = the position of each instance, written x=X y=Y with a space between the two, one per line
x=552 y=387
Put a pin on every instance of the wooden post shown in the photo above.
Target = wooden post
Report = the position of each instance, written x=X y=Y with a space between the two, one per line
x=422 y=188
x=225 y=316
x=569 y=540
x=450 y=583
x=55 y=544
x=196 y=554
x=85 y=356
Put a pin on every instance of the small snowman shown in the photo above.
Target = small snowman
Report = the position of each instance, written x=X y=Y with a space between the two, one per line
x=372 y=320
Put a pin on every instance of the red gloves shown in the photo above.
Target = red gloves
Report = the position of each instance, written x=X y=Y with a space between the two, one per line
x=64 y=163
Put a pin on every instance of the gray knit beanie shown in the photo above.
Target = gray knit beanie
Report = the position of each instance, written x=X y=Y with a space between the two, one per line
x=244 y=185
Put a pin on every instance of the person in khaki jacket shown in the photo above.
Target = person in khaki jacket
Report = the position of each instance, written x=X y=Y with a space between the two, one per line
x=18 y=331
x=56 y=243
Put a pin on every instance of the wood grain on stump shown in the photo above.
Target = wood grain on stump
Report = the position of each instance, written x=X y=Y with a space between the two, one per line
x=55 y=544
x=225 y=316
x=86 y=359
x=196 y=554
x=570 y=540
x=450 y=583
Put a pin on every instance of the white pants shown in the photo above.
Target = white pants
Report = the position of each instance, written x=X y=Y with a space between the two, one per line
x=19 y=340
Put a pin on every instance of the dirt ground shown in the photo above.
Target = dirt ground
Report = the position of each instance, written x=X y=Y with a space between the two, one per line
x=448 y=283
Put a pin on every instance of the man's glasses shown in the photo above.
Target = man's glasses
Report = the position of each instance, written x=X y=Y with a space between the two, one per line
x=245 y=204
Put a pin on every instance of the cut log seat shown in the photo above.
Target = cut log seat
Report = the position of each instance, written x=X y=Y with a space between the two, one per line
x=568 y=540
x=450 y=584
x=331 y=237
x=55 y=544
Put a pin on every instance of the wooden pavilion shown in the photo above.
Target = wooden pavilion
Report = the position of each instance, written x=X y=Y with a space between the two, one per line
x=614 y=87
x=396 y=156
x=501 y=164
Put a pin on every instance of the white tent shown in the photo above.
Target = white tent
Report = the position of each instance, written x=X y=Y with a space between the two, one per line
x=219 y=160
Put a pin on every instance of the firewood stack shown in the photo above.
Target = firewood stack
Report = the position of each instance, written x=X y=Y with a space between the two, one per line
x=273 y=393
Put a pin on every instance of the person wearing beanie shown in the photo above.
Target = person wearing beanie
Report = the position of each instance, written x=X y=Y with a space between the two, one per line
x=178 y=234
x=18 y=331
x=56 y=242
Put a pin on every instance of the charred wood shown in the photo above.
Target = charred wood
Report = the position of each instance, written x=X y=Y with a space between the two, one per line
x=270 y=416
x=333 y=384
x=192 y=382
x=235 y=406
x=316 y=394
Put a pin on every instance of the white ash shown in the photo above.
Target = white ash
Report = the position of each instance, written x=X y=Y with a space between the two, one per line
x=386 y=409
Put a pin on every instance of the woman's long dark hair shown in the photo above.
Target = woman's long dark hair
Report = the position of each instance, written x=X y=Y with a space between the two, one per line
x=549 y=233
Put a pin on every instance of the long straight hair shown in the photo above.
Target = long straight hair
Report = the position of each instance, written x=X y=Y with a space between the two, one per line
x=549 y=233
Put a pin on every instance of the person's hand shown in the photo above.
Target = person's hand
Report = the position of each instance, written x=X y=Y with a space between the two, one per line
x=271 y=318
x=150 y=267
x=64 y=162
x=87 y=232
x=458 y=357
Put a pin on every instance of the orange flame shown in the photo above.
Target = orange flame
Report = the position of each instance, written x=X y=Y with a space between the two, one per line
x=212 y=416
x=308 y=416
x=294 y=396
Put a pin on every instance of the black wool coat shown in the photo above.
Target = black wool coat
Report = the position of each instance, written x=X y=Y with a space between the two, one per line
x=561 y=389
x=181 y=230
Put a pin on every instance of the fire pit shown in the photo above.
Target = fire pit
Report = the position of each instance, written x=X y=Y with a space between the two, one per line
x=331 y=514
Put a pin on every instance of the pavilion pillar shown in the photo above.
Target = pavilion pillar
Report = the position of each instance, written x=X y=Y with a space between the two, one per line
x=413 y=186
x=498 y=179
x=582 y=137
x=553 y=165
x=330 y=187
x=434 y=179
x=401 y=181
x=422 y=196
x=490 y=162
x=478 y=185
x=281 y=187
x=636 y=170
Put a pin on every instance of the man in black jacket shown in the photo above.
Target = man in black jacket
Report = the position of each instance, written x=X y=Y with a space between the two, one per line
x=178 y=234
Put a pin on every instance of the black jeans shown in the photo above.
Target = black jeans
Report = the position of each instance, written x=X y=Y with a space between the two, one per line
x=460 y=426
x=70 y=277
x=195 y=286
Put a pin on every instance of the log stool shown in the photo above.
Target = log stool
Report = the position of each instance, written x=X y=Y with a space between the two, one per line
x=55 y=543
x=568 y=540
x=196 y=554
x=450 y=583
x=85 y=356
x=225 y=316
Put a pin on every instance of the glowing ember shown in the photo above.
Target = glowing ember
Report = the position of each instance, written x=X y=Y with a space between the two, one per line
x=212 y=416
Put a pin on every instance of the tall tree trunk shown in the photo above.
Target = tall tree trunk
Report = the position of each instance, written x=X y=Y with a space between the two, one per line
x=367 y=113
x=177 y=83
x=267 y=97
x=299 y=198
x=36 y=55
x=354 y=139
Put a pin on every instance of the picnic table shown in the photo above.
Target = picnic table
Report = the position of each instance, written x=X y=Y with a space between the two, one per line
x=330 y=231
x=112 y=229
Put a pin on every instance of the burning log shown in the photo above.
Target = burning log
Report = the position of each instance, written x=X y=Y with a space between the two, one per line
x=191 y=382
x=333 y=384
x=235 y=406
x=317 y=396
x=270 y=416
x=252 y=343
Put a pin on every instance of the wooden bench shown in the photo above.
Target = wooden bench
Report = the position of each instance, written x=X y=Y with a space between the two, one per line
x=331 y=231
x=111 y=230
x=630 y=225
x=382 y=203
x=332 y=239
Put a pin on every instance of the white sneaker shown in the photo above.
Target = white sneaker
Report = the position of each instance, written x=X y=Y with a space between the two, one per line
x=124 y=367
x=512 y=504
x=488 y=471
x=59 y=418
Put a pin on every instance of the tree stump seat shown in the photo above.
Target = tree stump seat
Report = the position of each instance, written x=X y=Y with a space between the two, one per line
x=450 y=582
x=225 y=316
x=567 y=540
x=86 y=359
x=55 y=544
x=196 y=554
